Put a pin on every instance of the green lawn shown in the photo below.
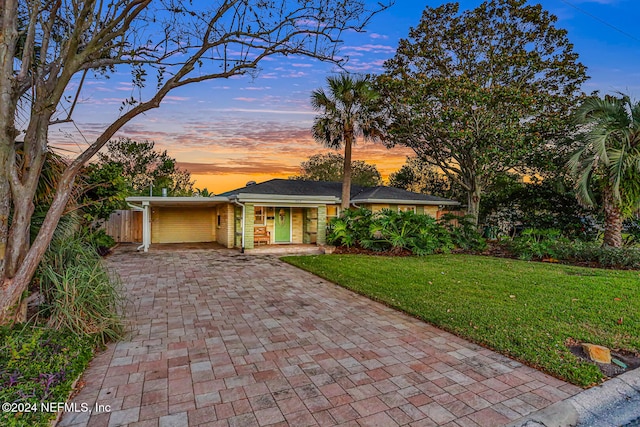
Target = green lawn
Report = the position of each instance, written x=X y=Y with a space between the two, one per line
x=526 y=310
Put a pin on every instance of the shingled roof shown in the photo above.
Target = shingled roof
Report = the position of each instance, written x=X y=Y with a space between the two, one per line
x=379 y=194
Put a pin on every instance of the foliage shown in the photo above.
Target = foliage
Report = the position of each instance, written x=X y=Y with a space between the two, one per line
x=632 y=229
x=473 y=93
x=348 y=111
x=536 y=244
x=100 y=241
x=38 y=365
x=393 y=231
x=350 y=228
x=203 y=192
x=79 y=294
x=510 y=202
x=142 y=166
x=522 y=309
x=608 y=159
x=464 y=233
x=104 y=189
x=420 y=177
x=330 y=167
x=592 y=252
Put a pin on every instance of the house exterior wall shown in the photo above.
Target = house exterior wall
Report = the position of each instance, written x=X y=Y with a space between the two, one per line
x=179 y=225
x=310 y=226
x=224 y=231
x=297 y=221
x=431 y=210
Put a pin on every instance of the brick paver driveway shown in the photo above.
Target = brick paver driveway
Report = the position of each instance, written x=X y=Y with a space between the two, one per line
x=224 y=339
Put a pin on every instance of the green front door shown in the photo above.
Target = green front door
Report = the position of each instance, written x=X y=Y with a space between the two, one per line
x=282 y=222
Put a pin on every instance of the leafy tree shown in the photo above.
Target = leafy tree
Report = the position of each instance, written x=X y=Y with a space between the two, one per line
x=473 y=93
x=421 y=177
x=330 y=167
x=348 y=111
x=142 y=167
x=204 y=192
x=48 y=47
x=539 y=204
x=104 y=190
x=609 y=160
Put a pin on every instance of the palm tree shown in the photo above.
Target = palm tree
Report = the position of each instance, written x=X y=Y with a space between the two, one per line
x=348 y=111
x=608 y=159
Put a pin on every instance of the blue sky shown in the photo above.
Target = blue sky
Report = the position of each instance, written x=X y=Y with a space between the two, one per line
x=227 y=132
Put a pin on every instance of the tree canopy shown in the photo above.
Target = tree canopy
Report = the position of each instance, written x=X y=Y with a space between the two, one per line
x=48 y=47
x=608 y=160
x=475 y=92
x=348 y=110
x=330 y=167
x=143 y=167
x=421 y=177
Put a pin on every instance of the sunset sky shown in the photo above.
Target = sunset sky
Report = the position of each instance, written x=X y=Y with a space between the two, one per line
x=227 y=132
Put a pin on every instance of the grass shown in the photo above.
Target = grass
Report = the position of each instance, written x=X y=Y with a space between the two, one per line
x=525 y=310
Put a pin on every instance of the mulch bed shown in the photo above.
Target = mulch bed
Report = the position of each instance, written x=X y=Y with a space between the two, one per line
x=356 y=250
x=632 y=360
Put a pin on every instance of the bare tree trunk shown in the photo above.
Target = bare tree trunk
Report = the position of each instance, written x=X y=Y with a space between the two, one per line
x=5 y=206
x=612 y=220
x=474 y=195
x=346 y=178
x=8 y=39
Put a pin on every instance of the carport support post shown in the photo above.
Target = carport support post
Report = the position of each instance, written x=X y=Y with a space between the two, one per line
x=146 y=226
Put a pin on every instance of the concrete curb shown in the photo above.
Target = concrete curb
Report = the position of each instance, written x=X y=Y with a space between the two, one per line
x=611 y=404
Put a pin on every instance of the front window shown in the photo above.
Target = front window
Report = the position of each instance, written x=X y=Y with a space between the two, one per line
x=333 y=211
x=405 y=208
x=260 y=215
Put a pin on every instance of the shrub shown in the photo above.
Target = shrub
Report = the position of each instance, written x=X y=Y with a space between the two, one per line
x=393 y=231
x=464 y=232
x=79 y=294
x=350 y=228
x=605 y=256
x=536 y=244
x=396 y=231
x=101 y=241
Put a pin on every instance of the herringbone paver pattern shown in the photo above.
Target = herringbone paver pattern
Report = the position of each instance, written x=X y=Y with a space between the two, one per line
x=224 y=339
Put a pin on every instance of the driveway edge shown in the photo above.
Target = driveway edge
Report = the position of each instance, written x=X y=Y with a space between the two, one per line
x=613 y=403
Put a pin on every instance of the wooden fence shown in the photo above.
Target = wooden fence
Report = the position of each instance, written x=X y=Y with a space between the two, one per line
x=125 y=226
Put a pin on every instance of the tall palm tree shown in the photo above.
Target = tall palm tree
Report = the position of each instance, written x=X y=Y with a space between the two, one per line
x=608 y=159
x=349 y=110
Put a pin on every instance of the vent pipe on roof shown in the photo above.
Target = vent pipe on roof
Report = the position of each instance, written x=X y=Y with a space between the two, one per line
x=164 y=192
x=250 y=183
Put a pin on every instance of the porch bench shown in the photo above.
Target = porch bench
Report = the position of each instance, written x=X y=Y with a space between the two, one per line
x=261 y=235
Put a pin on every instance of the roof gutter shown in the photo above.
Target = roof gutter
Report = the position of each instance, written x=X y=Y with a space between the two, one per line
x=411 y=202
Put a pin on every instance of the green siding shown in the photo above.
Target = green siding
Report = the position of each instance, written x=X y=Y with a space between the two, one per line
x=237 y=227
x=420 y=210
x=249 y=220
x=321 y=238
